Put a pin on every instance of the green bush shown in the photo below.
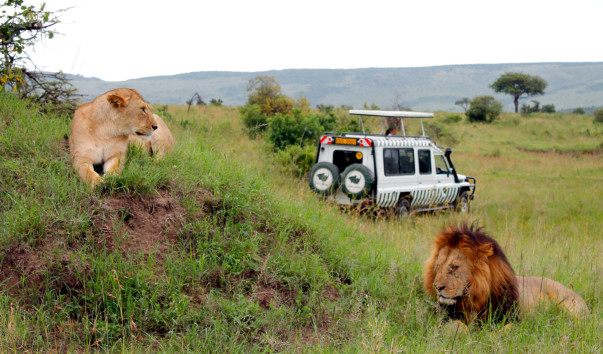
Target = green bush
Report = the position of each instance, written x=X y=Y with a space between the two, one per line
x=579 y=110
x=548 y=108
x=296 y=159
x=297 y=129
x=454 y=118
x=484 y=109
x=439 y=132
x=254 y=120
x=598 y=115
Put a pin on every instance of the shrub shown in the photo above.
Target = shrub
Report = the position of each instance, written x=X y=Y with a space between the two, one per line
x=484 y=109
x=598 y=115
x=439 y=132
x=297 y=129
x=548 y=108
x=454 y=118
x=296 y=159
x=254 y=120
x=579 y=110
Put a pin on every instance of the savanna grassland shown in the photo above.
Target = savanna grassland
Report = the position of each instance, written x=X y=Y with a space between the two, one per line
x=219 y=248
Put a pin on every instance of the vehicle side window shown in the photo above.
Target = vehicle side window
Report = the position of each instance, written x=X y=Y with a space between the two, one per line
x=398 y=162
x=441 y=165
x=344 y=158
x=390 y=162
x=424 y=162
x=407 y=161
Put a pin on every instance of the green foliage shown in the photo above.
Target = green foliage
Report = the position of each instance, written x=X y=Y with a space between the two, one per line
x=579 y=110
x=162 y=111
x=21 y=27
x=265 y=92
x=297 y=160
x=453 y=118
x=297 y=128
x=598 y=113
x=518 y=85
x=323 y=108
x=215 y=102
x=253 y=119
x=548 y=108
x=440 y=133
x=484 y=109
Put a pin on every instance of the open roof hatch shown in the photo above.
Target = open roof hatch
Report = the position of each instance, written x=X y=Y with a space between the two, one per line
x=391 y=114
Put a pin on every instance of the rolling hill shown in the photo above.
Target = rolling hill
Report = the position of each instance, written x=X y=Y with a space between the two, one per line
x=433 y=88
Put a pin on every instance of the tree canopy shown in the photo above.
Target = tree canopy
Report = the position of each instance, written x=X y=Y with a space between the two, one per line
x=519 y=84
x=21 y=27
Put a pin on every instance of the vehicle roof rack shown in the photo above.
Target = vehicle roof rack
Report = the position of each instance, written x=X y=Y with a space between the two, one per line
x=391 y=114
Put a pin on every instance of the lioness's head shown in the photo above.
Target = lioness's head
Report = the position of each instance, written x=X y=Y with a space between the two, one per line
x=133 y=113
x=469 y=274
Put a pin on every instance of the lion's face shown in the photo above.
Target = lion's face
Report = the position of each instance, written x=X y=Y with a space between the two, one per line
x=452 y=276
x=468 y=274
x=135 y=116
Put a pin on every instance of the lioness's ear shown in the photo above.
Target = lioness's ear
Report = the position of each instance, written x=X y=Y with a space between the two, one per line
x=116 y=101
x=486 y=250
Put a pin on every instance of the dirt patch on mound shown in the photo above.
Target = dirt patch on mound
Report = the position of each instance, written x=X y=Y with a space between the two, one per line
x=139 y=224
x=128 y=224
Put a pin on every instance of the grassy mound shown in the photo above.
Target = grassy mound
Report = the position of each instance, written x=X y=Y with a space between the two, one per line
x=214 y=249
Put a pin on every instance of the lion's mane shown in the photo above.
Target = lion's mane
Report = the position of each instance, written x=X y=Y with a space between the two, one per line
x=492 y=289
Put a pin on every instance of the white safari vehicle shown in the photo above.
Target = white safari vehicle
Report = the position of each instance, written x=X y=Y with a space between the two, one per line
x=399 y=172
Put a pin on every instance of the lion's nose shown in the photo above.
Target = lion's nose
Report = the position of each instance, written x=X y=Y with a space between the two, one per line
x=154 y=127
x=440 y=288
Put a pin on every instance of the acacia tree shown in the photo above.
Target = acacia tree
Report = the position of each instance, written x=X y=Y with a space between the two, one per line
x=21 y=27
x=464 y=103
x=519 y=84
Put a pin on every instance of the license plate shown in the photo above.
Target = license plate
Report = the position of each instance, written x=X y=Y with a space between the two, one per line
x=345 y=141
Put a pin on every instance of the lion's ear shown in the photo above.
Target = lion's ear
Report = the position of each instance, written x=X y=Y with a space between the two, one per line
x=116 y=101
x=486 y=250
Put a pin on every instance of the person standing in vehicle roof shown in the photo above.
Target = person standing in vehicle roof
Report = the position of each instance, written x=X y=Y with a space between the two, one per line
x=392 y=130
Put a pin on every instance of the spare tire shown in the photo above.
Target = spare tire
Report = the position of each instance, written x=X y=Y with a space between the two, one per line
x=357 y=181
x=324 y=178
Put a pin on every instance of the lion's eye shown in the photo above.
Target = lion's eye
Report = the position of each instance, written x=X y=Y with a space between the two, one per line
x=144 y=109
x=453 y=267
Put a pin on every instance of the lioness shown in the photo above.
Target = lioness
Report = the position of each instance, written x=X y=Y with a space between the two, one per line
x=100 y=130
x=471 y=278
x=161 y=142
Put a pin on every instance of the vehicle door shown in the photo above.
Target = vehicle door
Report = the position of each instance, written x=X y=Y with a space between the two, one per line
x=445 y=188
x=426 y=194
x=398 y=174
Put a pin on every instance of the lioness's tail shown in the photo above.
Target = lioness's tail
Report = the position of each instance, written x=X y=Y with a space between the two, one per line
x=533 y=290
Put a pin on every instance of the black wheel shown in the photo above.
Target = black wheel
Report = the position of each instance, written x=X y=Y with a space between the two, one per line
x=357 y=181
x=462 y=203
x=403 y=209
x=324 y=178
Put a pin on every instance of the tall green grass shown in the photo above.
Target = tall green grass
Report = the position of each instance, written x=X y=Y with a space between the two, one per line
x=259 y=263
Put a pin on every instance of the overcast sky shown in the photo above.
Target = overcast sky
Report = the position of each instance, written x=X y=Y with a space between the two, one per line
x=126 y=39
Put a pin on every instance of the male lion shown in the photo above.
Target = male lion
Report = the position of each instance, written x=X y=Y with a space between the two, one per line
x=100 y=130
x=471 y=278
x=161 y=142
